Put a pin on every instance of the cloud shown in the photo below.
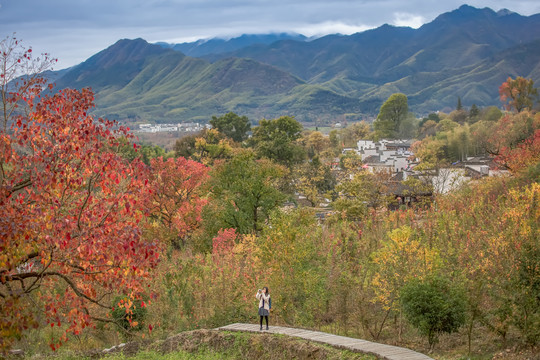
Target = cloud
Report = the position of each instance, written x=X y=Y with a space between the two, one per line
x=410 y=20
x=329 y=27
x=72 y=30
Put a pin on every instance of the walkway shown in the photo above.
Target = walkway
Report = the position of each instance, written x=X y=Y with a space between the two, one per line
x=380 y=350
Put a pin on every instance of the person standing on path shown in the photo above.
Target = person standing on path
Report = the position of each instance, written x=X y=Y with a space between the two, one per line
x=264 y=305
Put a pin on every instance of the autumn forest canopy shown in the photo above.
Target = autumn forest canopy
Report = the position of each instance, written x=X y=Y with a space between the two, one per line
x=105 y=240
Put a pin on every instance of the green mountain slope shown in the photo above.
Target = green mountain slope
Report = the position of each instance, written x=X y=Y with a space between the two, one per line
x=466 y=53
x=168 y=86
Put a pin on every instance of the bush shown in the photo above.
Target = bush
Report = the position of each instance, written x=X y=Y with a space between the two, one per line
x=132 y=319
x=433 y=307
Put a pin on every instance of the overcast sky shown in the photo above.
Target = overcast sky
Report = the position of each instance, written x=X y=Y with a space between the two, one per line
x=73 y=30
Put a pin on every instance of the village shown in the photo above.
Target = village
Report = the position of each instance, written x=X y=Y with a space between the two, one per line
x=180 y=127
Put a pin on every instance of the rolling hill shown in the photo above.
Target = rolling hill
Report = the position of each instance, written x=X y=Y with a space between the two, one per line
x=465 y=53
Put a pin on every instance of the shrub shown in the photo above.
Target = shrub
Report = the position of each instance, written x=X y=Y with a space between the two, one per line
x=433 y=307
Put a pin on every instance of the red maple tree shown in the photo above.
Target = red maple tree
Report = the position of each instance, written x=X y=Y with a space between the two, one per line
x=70 y=209
x=175 y=201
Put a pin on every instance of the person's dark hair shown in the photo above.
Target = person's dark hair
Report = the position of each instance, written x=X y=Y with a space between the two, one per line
x=267 y=291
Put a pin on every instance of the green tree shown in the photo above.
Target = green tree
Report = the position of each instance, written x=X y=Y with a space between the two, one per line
x=277 y=140
x=492 y=113
x=204 y=147
x=333 y=136
x=408 y=126
x=246 y=190
x=145 y=151
x=433 y=117
x=433 y=307
x=459 y=106
x=473 y=113
x=392 y=113
x=185 y=146
x=232 y=125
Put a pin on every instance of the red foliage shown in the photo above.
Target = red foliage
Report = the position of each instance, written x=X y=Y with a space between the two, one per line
x=175 y=198
x=525 y=154
x=224 y=242
x=515 y=141
x=69 y=214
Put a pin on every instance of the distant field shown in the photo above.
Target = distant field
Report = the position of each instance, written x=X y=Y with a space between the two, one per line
x=323 y=129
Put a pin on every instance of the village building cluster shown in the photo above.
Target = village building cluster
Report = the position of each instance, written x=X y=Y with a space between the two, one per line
x=395 y=157
x=181 y=127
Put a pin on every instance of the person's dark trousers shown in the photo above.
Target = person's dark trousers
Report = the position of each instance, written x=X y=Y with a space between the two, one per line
x=266 y=319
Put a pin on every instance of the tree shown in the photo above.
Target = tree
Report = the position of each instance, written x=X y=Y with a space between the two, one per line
x=317 y=142
x=277 y=140
x=205 y=147
x=70 y=209
x=246 y=191
x=433 y=307
x=429 y=128
x=431 y=152
x=354 y=132
x=518 y=94
x=458 y=116
x=392 y=113
x=515 y=141
x=459 y=106
x=447 y=125
x=314 y=179
x=433 y=117
x=233 y=126
x=185 y=146
x=20 y=76
x=175 y=202
x=334 y=138
x=473 y=113
x=143 y=151
x=408 y=127
x=361 y=191
x=492 y=113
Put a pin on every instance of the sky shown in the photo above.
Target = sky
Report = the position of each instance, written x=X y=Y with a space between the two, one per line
x=74 y=30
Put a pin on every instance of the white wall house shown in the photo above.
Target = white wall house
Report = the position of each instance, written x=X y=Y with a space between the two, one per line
x=385 y=155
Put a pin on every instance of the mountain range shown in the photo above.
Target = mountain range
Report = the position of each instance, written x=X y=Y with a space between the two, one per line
x=466 y=53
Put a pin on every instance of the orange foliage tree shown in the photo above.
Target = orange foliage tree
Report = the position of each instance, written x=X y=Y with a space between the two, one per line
x=518 y=94
x=175 y=202
x=70 y=209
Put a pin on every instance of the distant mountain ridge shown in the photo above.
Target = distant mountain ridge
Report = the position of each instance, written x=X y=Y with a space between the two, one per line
x=218 y=46
x=465 y=53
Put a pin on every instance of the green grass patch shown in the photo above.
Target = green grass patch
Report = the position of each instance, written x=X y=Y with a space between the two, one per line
x=213 y=344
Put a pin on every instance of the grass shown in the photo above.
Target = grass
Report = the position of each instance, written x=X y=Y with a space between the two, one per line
x=212 y=344
x=154 y=355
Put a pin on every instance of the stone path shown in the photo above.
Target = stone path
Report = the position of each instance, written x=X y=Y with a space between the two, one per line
x=380 y=350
